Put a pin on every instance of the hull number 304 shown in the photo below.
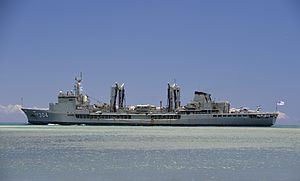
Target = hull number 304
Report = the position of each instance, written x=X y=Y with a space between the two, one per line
x=41 y=114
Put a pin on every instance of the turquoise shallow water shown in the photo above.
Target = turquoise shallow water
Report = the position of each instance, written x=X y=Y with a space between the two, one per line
x=148 y=153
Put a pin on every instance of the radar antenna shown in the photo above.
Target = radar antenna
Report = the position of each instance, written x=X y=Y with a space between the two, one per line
x=77 y=86
x=79 y=79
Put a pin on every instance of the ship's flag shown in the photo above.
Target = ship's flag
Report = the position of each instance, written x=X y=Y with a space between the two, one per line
x=280 y=103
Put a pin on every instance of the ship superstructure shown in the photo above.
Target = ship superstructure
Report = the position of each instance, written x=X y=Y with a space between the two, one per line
x=74 y=107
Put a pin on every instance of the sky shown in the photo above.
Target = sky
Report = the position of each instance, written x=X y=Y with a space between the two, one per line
x=243 y=51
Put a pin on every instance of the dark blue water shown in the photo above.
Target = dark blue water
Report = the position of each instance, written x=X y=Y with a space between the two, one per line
x=149 y=153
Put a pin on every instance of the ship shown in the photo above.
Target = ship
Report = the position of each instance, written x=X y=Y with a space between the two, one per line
x=75 y=108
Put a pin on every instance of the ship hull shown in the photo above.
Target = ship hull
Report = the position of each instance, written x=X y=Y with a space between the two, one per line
x=43 y=117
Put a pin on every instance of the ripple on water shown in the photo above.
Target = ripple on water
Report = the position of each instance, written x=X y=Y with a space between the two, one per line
x=147 y=153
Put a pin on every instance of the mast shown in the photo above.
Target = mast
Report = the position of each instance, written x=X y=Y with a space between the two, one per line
x=77 y=86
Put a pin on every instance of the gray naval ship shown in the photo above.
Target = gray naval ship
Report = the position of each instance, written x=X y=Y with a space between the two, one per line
x=73 y=107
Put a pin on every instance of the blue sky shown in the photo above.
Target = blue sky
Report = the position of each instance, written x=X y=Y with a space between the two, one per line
x=246 y=52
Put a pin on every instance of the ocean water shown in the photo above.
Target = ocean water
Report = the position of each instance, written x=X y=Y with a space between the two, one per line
x=30 y=152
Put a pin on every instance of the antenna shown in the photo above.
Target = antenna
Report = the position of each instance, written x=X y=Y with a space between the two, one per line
x=22 y=101
x=80 y=78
